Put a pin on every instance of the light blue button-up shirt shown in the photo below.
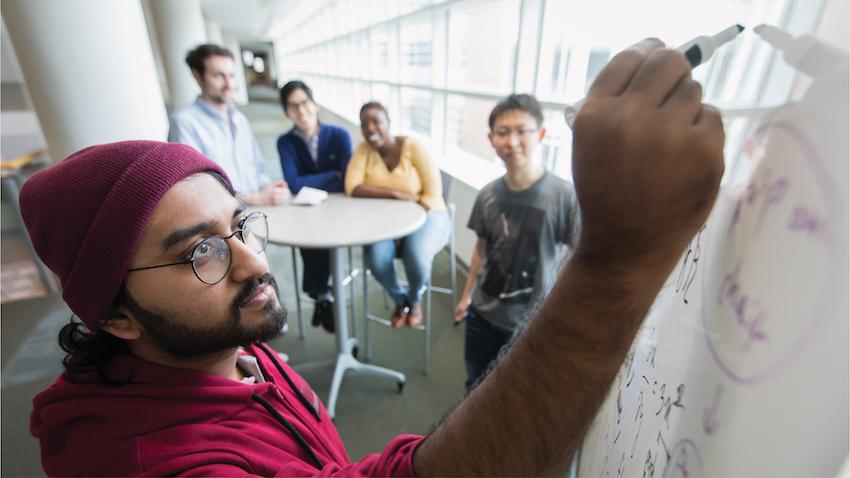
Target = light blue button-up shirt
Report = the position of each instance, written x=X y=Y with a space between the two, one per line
x=231 y=144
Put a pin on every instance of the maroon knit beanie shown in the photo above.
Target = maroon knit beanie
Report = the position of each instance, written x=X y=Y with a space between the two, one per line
x=85 y=215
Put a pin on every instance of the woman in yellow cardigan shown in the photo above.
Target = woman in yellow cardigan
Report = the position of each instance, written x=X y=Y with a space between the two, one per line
x=397 y=167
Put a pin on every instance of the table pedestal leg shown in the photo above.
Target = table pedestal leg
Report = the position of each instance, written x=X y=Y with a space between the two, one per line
x=345 y=360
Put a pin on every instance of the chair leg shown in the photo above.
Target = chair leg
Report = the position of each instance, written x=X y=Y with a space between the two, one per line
x=367 y=333
x=297 y=294
x=351 y=297
x=453 y=265
x=428 y=302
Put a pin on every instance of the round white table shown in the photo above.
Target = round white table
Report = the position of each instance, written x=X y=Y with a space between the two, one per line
x=337 y=223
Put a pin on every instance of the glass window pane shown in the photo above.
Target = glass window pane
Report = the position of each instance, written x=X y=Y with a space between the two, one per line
x=380 y=93
x=556 y=147
x=408 y=6
x=416 y=48
x=384 y=46
x=482 y=45
x=467 y=125
x=387 y=96
x=416 y=110
x=360 y=95
x=381 y=10
x=579 y=38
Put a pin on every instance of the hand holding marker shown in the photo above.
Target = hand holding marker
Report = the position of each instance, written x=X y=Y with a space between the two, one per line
x=696 y=51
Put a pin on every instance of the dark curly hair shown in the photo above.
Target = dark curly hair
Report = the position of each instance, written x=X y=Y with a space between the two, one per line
x=88 y=351
x=195 y=58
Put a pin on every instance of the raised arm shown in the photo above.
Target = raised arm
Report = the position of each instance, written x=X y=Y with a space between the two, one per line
x=647 y=162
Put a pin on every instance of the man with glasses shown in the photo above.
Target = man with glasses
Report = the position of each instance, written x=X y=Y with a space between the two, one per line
x=523 y=220
x=315 y=155
x=167 y=373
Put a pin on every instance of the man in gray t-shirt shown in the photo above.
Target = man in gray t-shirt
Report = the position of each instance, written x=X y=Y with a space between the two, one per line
x=524 y=221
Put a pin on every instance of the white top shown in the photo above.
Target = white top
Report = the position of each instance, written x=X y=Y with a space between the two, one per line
x=231 y=144
x=343 y=221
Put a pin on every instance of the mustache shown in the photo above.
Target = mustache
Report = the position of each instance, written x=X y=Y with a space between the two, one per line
x=252 y=286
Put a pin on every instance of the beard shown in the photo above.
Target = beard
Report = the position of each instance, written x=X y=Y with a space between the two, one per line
x=175 y=337
x=221 y=98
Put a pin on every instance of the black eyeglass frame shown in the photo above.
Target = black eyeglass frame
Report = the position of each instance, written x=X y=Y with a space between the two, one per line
x=239 y=229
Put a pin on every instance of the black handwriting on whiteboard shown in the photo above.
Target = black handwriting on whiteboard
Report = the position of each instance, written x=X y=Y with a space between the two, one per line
x=688 y=269
x=639 y=419
x=667 y=404
x=649 y=465
x=660 y=440
x=622 y=467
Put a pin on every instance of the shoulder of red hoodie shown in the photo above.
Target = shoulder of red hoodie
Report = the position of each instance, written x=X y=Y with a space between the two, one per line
x=169 y=421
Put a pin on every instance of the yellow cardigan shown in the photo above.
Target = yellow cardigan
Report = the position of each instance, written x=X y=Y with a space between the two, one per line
x=415 y=173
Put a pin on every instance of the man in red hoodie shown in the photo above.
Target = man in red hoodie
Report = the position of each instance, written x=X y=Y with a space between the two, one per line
x=168 y=374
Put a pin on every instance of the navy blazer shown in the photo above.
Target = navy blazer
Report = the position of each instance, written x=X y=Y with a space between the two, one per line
x=328 y=172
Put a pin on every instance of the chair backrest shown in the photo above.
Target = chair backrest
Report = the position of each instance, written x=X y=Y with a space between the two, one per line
x=446 y=180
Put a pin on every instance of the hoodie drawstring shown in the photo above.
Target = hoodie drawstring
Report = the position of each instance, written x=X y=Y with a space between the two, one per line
x=291 y=428
x=313 y=409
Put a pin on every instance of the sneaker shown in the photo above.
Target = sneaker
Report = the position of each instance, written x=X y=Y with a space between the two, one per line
x=317 y=316
x=399 y=316
x=323 y=314
x=414 y=316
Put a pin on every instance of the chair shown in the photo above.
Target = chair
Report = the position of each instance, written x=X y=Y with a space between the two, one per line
x=426 y=325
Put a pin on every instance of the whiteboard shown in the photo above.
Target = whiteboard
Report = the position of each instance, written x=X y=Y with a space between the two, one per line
x=741 y=366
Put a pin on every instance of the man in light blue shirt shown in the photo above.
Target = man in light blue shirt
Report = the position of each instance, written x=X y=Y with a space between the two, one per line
x=214 y=126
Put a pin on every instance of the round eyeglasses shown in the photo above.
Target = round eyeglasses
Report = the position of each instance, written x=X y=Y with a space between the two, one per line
x=212 y=257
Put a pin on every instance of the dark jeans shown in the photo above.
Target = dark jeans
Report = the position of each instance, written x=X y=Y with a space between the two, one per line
x=482 y=344
x=317 y=270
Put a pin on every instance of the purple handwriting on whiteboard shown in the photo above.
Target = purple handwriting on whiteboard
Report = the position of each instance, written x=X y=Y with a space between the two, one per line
x=748 y=312
x=807 y=204
x=763 y=193
x=807 y=222
x=685 y=460
x=709 y=416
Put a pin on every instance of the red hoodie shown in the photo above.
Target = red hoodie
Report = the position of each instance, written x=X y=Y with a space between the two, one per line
x=170 y=421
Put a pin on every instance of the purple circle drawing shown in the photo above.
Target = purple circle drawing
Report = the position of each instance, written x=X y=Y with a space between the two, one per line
x=832 y=286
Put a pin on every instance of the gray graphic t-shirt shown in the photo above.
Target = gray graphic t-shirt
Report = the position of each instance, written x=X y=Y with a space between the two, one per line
x=526 y=234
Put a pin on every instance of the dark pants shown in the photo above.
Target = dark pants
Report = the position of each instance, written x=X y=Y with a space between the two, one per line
x=317 y=270
x=482 y=344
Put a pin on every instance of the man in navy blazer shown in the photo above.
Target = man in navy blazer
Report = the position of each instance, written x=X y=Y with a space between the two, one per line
x=314 y=155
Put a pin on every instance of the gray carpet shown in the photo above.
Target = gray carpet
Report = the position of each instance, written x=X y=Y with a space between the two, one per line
x=39 y=356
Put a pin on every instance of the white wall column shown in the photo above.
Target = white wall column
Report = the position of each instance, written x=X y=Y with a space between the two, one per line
x=180 y=27
x=240 y=96
x=214 y=32
x=89 y=70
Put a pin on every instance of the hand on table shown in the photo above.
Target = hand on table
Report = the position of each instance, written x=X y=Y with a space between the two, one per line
x=276 y=192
